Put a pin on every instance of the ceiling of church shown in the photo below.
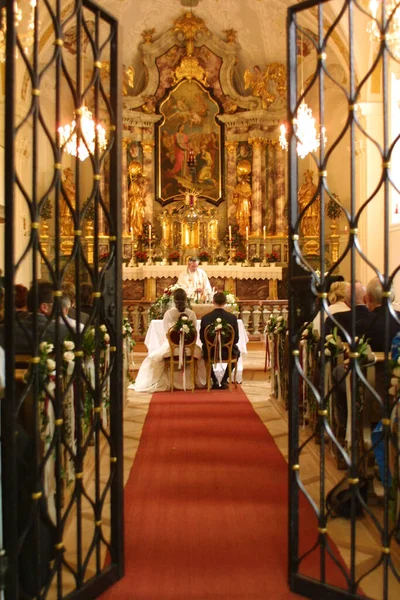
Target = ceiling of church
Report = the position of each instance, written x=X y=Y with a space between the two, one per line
x=260 y=25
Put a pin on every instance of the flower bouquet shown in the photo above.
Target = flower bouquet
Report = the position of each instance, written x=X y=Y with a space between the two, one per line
x=173 y=256
x=141 y=256
x=239 y=257
x=271 y=257
x=162 y=303
x=204 y=256
x=183 y=325
x=255 y=259
x=220 y=259
x=219 y=326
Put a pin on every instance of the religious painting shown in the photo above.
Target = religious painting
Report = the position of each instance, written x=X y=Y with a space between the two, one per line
x=276 y=248
x=127 y=251
x=189 y=130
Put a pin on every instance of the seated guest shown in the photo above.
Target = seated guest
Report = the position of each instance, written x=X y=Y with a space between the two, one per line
x=337 y=304
x=344 y=318
x=152 y=376
x=219 y=312
x=21 y=295
x=69 y=288
x=337 y=297
x=66 y=307
x=46 y=326
x=376 y=325
x=374 y=332
x=195 y=281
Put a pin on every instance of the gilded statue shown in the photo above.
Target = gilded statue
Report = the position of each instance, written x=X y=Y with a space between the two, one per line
x=310 y=222
x=269 y=85
x=242 y=196
x=67 y=225
x=136 y=199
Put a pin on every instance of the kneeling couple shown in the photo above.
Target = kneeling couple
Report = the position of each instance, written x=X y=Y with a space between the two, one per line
x=152 y=377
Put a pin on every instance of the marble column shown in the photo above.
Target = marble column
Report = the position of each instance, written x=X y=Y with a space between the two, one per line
x=280 y=192
x=270 y=185
x=256 y=209
x=148 y=173
x=231 y=179
x=124 y=187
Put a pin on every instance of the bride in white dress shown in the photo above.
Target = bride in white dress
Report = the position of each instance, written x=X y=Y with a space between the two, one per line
x=152 y=376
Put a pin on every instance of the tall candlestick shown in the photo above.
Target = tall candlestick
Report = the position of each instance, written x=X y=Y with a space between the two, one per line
x=149 y=234
x=230 y=233
x=131 y=234
x=247 y=232
x=264 y=232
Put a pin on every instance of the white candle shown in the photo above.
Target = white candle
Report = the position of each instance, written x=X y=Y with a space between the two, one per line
x=264 y=232
x=247 y=233
x=149 y=234
x=230 y=233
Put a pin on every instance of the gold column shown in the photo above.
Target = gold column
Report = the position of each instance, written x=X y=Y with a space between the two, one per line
x=256 y=209
x=148 y=172
x=231 y=177
x=124 y=187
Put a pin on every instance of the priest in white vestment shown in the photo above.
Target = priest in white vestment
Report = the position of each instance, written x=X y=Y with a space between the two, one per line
x=195 y=282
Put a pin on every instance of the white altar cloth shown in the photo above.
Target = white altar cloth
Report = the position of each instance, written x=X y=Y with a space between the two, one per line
x=234 y=271
x=155 y=337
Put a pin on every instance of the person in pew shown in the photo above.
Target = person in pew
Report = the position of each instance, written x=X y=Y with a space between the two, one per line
x=152 y=376
x=373 y=330
x=219 y=312
x=69 y=288
x=46 y=325
x=195 y=281
x=66 y=307
x=344 y=318
x=21 y=296
x=376 y=324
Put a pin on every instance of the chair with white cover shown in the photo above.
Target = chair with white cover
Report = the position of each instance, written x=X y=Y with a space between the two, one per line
x=181 y=356
x=219 y=349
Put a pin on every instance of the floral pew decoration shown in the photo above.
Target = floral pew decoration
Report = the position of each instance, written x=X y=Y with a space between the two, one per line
x=276 y=333
x=308 y=347
x=91 y=340
x=128 y=346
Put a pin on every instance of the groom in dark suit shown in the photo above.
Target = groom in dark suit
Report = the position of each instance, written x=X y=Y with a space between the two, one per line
x=219 y=302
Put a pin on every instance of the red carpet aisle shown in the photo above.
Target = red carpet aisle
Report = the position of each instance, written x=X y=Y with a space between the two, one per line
x=206 y=504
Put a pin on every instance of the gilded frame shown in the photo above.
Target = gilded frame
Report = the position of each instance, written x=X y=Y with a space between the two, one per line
x=190 y=123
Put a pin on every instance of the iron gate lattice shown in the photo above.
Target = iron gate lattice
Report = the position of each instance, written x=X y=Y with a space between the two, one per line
x=62 y=415
x=322 y=54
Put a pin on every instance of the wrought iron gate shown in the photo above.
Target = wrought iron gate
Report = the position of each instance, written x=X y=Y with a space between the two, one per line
x=318 y=32
x=62 y=412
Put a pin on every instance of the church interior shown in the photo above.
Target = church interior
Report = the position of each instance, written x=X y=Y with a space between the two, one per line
x=147 y=133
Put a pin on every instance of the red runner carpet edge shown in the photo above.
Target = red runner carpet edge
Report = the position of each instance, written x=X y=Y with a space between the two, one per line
x=206 y=506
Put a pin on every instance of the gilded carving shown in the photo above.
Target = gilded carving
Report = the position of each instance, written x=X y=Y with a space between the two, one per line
x=257 y=143
x=231 y=148
x=147 y=147
x=269 y=85
x=231 y=35
x=189 y=24
x=147 y=35
x=190 y=68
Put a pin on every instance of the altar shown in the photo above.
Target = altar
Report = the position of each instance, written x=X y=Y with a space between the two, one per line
x=148 y=282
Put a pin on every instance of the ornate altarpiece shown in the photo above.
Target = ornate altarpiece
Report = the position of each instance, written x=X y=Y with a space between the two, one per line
x=190 y=105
